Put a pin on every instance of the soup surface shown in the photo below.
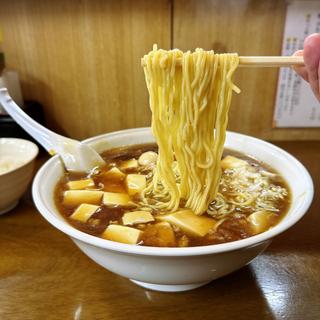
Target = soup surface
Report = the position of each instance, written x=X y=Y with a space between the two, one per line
x=110 y=203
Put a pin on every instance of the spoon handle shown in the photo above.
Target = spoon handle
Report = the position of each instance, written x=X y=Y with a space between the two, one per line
x=36 y=130
x=75 y=155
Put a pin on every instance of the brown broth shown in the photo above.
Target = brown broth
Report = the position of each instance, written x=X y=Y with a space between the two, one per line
x=234 y=227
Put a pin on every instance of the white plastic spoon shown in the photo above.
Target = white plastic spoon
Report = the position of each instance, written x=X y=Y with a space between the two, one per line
x=75 y=155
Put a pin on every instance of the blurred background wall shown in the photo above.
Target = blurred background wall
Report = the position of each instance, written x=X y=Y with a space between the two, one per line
x=81 y=58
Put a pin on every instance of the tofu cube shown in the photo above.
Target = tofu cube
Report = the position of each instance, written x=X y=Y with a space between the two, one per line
x=129 y=164
x=136 y=217
x=260 y=221
x=84 y=212
x=135 y=183
x=122 y=234
x=115 y=199
x=114 y=187
x=189 y=222
x=77 y=197
x=80 y=184
x=114 y=174
x=230 y=162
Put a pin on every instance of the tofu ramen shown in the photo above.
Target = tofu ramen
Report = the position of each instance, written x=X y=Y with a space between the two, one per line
x=183 y=191
x=109 y=202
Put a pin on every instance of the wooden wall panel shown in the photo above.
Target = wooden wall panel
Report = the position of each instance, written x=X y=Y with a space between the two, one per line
x=250 y=28
x=81 y=59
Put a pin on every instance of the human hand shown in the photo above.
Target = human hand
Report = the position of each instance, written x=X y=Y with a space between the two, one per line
x=311 y=55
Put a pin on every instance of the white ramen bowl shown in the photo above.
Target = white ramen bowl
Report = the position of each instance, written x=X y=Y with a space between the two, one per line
x=176 y=269
x=20 y=156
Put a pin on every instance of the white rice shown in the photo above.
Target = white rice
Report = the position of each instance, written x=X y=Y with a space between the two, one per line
x=8 y=163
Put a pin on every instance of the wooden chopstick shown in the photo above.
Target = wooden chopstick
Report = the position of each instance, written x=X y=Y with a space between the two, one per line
x=264 y=61
x=272 y=61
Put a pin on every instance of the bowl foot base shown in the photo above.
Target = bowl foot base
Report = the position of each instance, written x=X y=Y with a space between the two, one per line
x=8 y=208
x=169 y=288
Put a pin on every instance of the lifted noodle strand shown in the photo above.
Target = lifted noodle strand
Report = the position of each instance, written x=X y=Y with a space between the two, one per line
x=189 y=107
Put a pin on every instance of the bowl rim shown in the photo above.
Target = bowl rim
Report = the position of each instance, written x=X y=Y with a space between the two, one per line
x=35 y=151
x=63 y=226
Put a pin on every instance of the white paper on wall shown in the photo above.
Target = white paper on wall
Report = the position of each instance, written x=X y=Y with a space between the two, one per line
x=295 y=104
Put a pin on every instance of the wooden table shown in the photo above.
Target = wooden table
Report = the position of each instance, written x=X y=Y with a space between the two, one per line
x=43 y=275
